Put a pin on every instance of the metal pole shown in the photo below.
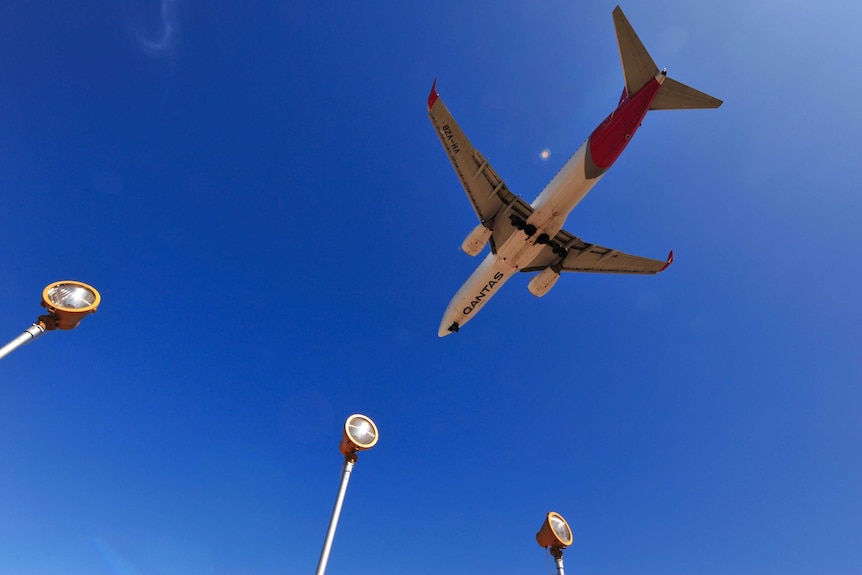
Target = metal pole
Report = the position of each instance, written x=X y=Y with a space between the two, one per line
x=29 y=335
x=333 y=521
x=558 y=559
x=559 y=562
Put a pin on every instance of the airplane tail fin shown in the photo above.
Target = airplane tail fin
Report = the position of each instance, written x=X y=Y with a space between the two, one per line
x=639 y=68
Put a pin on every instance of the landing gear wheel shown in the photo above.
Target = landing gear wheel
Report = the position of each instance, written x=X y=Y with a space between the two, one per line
x=454 y=327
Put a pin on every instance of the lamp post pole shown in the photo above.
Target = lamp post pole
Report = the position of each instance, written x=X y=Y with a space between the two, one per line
x=558 y=559
x=31 y=333
x=359 y=433
x=336 y=512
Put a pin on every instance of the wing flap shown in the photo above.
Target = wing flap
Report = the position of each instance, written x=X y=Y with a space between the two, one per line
x=485 y=189
x=598 y=259
x=568 y=253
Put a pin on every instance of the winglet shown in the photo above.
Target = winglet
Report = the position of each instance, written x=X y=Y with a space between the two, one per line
x=669 y=261
x=432 y=97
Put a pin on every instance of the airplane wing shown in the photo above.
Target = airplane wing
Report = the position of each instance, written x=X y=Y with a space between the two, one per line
x=491 y=199
x=567 y=253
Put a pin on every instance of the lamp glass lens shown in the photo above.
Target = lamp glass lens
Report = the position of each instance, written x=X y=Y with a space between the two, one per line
x=561 y=530
x=361 y=431
x=69 y=296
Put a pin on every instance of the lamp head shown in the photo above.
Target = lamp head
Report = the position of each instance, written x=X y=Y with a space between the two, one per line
x=359 y=433
x=67 y=303
x=555 y=532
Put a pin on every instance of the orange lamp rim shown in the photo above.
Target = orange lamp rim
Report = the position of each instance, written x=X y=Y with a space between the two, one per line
x=566 y=523
x=81 y=310
x=353 y=440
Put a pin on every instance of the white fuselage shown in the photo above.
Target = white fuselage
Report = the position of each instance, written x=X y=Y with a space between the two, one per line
x=551 y=209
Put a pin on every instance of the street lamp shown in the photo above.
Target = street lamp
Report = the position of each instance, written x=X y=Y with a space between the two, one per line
x=67 y=303
x=555 y=535
x=359 y=433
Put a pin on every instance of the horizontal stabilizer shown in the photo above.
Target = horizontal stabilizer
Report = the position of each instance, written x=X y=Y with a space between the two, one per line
x=675 y=95
x=639 y=68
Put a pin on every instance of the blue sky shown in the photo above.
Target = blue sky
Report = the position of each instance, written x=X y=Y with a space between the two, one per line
x=273 y=225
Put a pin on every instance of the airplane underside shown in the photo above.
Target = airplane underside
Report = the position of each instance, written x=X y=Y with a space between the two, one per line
x=551 y=209
x=529 y=237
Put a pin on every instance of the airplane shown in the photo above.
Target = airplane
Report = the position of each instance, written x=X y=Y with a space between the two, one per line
x=529 y=237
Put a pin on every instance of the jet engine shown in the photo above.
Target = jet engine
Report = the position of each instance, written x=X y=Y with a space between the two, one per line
x=542 y=283
x=477 y=239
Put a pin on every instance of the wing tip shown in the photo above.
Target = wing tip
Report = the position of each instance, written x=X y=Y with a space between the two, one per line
x=669 y=261
x=433 y=95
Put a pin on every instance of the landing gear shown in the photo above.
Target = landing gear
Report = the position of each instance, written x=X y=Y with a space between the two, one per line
x=543 y=239
x=528 y=229
x=454 y=327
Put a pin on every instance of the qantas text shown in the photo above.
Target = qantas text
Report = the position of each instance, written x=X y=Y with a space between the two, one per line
x=483 y=293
